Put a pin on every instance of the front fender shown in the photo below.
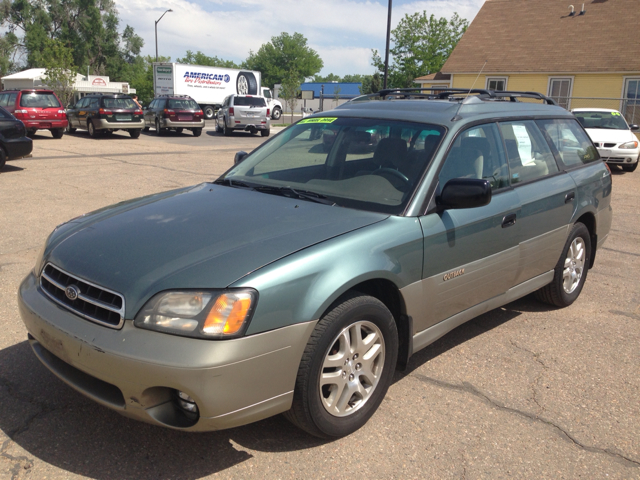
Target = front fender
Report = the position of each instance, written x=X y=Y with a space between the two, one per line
x=300 y=287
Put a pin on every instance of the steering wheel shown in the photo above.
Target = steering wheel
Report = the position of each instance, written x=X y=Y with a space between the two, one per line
x=393 y=173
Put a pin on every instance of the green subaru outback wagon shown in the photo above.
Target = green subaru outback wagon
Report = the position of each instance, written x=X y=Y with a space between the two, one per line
x=299 y=280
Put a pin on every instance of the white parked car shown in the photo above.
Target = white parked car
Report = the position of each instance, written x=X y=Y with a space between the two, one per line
x=611 y=134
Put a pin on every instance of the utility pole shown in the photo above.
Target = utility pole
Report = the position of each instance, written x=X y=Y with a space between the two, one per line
x=157 y=31
x=386 y=54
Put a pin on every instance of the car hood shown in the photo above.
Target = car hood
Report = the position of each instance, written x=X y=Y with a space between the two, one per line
x=206 y=236
x=610 y=136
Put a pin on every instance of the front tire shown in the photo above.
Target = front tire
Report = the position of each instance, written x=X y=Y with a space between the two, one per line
x=265 y=133
x=571 y=270
x=346 y=368
x=630 y=168
x=69 y=129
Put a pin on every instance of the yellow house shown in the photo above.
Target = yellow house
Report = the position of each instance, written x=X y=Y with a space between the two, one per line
x=582 y=55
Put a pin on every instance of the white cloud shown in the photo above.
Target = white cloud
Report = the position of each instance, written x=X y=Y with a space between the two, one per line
x=342 y=32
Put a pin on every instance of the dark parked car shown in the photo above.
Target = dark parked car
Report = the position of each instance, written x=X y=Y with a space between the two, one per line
x=104 y=114
x=13 y=140
x=174 y=112
x=306 y=274
x=38 y=109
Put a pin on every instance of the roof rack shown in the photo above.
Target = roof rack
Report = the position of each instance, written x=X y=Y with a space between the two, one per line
x=173 y=95
x=455 y=94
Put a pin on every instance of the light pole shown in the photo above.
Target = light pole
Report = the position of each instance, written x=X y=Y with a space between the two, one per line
x=386 y=54
x=157 y=32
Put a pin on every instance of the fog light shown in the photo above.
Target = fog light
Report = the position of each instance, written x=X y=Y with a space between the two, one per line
x=187 y=403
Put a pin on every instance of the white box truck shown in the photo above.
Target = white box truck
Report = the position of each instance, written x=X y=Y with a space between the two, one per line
x=209 y=86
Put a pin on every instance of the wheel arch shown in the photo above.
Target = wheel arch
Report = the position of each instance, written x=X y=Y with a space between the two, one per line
x=588 y=219
x=389 y=294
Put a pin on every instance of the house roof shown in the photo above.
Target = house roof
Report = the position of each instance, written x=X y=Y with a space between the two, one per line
x=30 y=74
x=434 y=77
x=519 y=36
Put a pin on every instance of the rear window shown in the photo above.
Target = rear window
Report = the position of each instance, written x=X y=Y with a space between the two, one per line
x=184 y=104
x=39 y=100
x=119 y=103
x=249 y=102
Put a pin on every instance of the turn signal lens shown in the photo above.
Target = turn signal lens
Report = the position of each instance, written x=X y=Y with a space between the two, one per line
x=228 y=314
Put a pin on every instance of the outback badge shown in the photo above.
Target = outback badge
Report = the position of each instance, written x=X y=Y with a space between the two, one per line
x=454 y=274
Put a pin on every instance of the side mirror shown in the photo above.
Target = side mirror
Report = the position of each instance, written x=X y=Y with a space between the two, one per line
x=634 y=128
x=465 y=193
x=240 y=156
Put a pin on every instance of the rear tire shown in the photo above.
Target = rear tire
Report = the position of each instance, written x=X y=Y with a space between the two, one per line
x=135 y=133
x=179 y=130
x=208 y=112
x=159 y=130
x=265 y=133
x=225 y=130
x=197 y=132
x=93 y=133
x=57 y=132
x=3 y=159
x=571 y=270
x=70 y=129
x=630 y=168
x=346 y=367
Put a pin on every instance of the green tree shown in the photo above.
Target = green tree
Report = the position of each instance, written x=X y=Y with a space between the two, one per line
x=284 y=56
x=290 y=90
x=8 y=51
x=327 y=79
x=60 y=73
x=142 y=77
x=200 y=58
x=421 y=45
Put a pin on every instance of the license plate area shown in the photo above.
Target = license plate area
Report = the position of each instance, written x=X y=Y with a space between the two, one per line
x=185 y=118
x=123 y=117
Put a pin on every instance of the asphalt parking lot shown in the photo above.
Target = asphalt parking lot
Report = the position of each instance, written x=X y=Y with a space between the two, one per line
x=525 y=391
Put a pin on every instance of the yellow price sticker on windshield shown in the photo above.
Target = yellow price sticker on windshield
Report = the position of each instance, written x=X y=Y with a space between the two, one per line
x=318 y=120
x=615 y=114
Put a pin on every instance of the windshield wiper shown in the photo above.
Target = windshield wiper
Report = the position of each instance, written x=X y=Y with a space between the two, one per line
x=301 y=194
x=234 y=183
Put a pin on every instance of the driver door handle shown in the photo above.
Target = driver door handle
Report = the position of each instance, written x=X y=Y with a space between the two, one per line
x=509 y=220
x=569 y=197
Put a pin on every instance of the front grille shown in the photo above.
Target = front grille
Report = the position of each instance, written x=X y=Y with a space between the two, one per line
x=608 y=145
x=93 y=302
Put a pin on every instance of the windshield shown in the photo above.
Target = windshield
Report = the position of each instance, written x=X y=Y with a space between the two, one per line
x=39 y=100
x=607 y=120
x=119 y=103
x=249 y=102
x=370 y=164
x=183 y=104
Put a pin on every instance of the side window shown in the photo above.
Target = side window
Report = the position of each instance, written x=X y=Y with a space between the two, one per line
x=528 y=152
x=477 y=153
x=94 y=102
x=12 y=99
x=152 y=105
x=81 y=103
x=4 y=98
x=572 y=143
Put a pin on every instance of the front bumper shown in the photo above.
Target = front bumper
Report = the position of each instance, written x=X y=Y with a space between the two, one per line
x=18 y=147
x=167 y=123
x=103 y=124
x=136 y=371
x=45 y=124
x=619 y=156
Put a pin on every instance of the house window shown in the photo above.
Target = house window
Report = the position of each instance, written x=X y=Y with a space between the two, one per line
x=499 y=84
x=440 y=87
x=631 y=101
x=560 y=91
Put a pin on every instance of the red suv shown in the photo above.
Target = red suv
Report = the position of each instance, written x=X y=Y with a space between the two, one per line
x=37 y=108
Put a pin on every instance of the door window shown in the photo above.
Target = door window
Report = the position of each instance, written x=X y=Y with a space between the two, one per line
x=571 y=142
x=631 y=101
x=4 y=98
x=82 y=103
x=477 y=153
x=529 y=154
x=12 y=99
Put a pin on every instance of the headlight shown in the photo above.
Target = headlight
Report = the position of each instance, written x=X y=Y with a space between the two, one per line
x=201 y=314
x=629 y=145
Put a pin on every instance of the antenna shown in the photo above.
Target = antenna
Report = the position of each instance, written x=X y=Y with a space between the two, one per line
x=455 y=117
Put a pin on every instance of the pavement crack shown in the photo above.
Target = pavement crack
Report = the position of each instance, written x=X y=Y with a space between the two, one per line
x=625 y=314
x=468 y=388
x=19 y=462
x=535 y=385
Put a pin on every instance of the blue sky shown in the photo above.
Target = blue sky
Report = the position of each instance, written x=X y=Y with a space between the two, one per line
x=343 y=32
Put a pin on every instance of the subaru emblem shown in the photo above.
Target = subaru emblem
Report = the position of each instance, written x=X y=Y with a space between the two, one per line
x=72 y=292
